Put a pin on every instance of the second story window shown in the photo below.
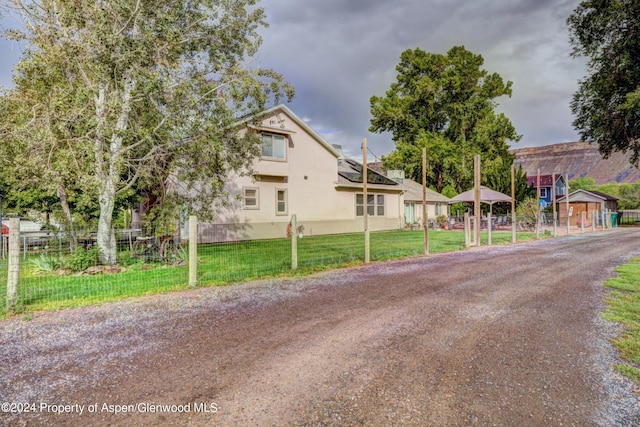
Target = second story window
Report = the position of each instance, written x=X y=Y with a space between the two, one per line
x=274 y=146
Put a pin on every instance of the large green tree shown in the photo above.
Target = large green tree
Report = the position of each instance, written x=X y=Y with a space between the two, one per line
x=111 y=95
x=607 y=103
x=445 y=103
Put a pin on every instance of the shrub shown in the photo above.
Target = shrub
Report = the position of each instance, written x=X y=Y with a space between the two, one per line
x=46 y=264
x=527 y=212
x=81 y=259
x=126 y=259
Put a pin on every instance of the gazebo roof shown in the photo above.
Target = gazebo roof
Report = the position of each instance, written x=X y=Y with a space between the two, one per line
x=487 y=195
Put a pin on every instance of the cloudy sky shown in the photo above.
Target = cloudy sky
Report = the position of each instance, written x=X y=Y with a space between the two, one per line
x=338 y=53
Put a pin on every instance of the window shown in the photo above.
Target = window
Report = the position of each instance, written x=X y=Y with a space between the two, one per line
x=281 y=202
x=380 y=204
x=250 y=198
x=375 y=204
x=543 y=193
x=274 y=146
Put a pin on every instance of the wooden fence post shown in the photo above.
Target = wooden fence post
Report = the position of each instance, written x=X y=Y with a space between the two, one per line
x=477 y=213
x=566 y=181
x=553 y=201
x=365 y=195
x=538 y=211
x=513 y=203
x=14 y=264
x=294 y=242
x=473 y=223
x=193 y=251
x=425 y=214
x=467 y=230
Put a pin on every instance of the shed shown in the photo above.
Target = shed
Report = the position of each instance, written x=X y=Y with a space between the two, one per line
x=588 y=202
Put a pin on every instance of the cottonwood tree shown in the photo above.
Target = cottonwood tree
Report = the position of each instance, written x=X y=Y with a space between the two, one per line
x=445 y=103
x=110 y=95
x=607 y=102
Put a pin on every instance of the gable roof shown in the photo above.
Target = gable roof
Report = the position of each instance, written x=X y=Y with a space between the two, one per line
x=586 y=195
x=413 y=193
x=285 y=110
x=607 y=197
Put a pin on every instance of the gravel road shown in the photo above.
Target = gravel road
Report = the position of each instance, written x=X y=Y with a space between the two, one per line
x=508 y=335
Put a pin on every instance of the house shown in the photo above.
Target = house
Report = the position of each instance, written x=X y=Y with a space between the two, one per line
x=546 y=186
x=590 y=202
x=437 y=204
x=300 y=173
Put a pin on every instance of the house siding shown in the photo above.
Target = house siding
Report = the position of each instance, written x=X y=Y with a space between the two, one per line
x=309 y=176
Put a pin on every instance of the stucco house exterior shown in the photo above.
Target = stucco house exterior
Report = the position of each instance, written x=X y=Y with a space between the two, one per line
x=300 y=173
x=437 y=204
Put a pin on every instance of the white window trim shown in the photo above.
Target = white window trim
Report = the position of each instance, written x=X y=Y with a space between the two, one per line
x=286 y=201
x=383 y=206
x=375 y=204
x=543 y=193
x=244 y=198
x=286 y=147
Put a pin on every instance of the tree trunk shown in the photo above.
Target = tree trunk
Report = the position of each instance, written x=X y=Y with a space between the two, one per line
x=106 y=235
x=108 y=172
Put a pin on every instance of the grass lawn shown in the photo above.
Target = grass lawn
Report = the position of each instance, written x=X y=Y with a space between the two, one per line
x=623 y=306
x=220 y=264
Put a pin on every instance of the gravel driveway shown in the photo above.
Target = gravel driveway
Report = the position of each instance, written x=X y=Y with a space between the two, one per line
x=503 y=336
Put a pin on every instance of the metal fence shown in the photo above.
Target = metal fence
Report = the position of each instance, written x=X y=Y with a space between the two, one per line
x=57 y=271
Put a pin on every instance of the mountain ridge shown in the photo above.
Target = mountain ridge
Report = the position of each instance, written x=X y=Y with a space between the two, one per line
x=578 y=160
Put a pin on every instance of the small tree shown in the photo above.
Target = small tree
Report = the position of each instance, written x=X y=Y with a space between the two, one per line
x=121 y=93
x=527 y=212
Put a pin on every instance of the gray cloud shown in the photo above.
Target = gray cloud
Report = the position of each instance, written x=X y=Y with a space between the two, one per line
x=340 y=53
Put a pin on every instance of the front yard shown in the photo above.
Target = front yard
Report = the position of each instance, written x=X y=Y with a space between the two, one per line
x=220 y=264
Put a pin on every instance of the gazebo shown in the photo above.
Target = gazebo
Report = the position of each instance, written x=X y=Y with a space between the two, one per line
x=488 y=196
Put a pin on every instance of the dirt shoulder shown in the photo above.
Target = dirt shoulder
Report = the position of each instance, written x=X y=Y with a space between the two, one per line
x=506 y=335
